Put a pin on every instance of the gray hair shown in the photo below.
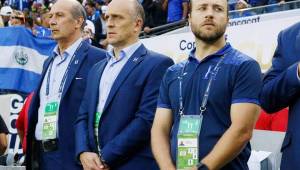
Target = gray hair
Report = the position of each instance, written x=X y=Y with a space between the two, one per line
x=77 y=11
x=139 y=11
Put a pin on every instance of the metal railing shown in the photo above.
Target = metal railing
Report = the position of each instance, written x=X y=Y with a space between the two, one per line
x=264 y=9
x=164 y=28
x=232 y=14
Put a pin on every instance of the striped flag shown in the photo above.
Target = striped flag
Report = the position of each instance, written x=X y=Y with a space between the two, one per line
x=21 y=58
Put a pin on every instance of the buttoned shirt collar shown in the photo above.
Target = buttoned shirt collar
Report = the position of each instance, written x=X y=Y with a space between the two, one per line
x=221 y=52
x=125 y=53
x=69 y=51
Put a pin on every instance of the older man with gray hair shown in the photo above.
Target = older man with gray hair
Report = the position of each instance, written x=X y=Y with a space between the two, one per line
x=54 y=106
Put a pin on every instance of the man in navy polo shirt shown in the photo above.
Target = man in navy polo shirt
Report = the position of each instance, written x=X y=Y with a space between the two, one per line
x=213 y=96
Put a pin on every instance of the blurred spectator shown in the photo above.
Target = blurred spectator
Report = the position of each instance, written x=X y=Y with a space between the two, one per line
x=42 y=29
x=154 y=13
x=89 y=32
x=241 y=4
x=177 y=10
x=282 y=5
x=104 y=9
x=5 y=13
x=22 y=122
x=276 y=5
x=101 y=38
x=45 y=18
x=37 y=7
x=3 y=136
x=231 y=4
x=148 y=8
x=275 y=122
x=17 y=18
x=20 y=4
x=159 y=13
x=240 y=7
x=279 y=1
x=255 y=3
x=92 y=13
x=98 y=4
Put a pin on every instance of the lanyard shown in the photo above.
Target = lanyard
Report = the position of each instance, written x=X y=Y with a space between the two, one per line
x=206 y=94
x=62 y=83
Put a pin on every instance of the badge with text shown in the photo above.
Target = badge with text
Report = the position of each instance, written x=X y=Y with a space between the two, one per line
x=96 y=126
x=50 y=120
x=97 y=120
x=187 y=141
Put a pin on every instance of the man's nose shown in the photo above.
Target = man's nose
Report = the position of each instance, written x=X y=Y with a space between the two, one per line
x=209 y=13
x=52 y=21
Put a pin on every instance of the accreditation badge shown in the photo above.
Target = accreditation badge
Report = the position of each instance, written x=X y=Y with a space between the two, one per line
x=97 y=120
x=50 y=119
x=188 y=141
x=96 y=126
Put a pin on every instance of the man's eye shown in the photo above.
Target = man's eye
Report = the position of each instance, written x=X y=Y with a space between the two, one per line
x=219 y=9
x=201 y=8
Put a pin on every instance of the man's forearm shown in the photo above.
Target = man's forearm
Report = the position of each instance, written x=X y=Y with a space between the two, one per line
x=3 y=143
x=226 y=149
x=21 y=135
x=161 y=150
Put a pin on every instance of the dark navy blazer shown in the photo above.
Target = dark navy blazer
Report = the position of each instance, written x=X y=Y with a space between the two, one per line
x=282 y=89
x=126 y=121
x=72 y=95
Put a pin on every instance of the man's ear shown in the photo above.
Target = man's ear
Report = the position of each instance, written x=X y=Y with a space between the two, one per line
x=189 y=19
x=79 y=22
x=138 y=24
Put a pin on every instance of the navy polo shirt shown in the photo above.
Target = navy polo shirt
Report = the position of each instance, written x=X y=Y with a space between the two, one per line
x=238 y=81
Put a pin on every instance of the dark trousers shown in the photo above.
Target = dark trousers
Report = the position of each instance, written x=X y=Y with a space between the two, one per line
x=41 y=160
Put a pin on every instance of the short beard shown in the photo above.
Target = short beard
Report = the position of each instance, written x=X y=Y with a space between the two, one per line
x=209 y=39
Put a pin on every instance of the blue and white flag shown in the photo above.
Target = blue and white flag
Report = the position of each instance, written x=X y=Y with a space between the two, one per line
x=21 y=58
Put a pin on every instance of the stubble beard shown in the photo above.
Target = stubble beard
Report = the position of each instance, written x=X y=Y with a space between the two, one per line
x=209 y=38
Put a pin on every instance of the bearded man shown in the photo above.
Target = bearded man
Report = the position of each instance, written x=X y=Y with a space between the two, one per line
x=208 y=104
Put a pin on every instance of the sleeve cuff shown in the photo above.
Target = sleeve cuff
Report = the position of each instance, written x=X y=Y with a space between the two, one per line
x=246 y=100
x=297 y=72
x=108 y=157
x=165 y=106
x=294 y=81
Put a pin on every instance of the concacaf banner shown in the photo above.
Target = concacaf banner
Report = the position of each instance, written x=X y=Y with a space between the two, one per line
x=11 y=105
x=255 y=36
